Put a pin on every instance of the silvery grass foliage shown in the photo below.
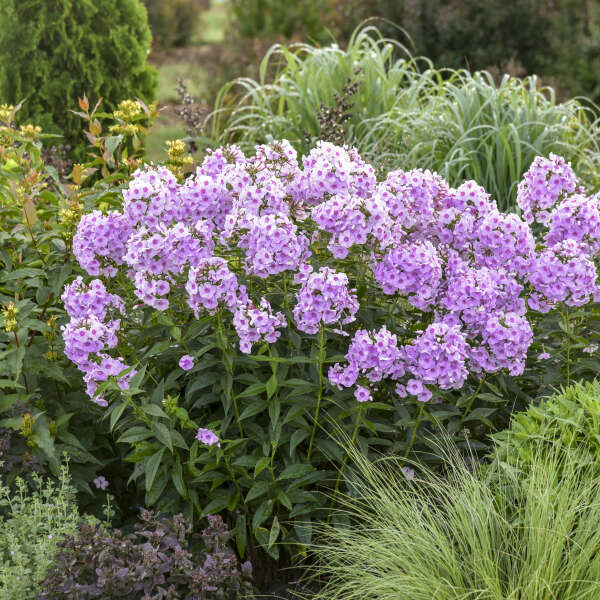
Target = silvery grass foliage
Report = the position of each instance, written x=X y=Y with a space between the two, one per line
x=407 y=113
x=501 y=534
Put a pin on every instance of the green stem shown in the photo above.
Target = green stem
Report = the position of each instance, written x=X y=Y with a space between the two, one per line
x=471 y=400
x=320 y=394
x=567 y=325
x=341 y=471
x=414 y=432
x=225 y=350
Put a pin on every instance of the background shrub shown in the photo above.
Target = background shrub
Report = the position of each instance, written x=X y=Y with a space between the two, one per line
x=173 y=22
x=53 y=52
x=501 y=534
x=406 y=114
x=253 y=18
x=34 y=519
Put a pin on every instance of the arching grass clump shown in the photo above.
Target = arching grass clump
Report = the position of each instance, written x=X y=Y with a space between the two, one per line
x=410 y=114
x=504 y=534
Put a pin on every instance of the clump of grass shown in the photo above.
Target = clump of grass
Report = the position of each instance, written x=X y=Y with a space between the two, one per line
x=410 y=114
x=501 y=534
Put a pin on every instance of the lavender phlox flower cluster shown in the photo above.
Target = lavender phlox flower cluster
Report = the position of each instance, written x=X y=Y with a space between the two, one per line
x=202 y=197
x=469 y=294
x=81 y=299
x=411 y=269
x=272 y=245
x=563 y=273
x=324 y=298
x=344 y=217
x=576 y=218
x=100 y=242
x=279 y=158
x=504 y=241
x=436 y=357
x=211 y=285
x=151 y=197
x=373 y=355
x=101 y=482
x=257 y=323
x=547 y=182
x=331 y=170
x=454 y=228
x=505 y=340
x=412 y=197
x=219 y=161
x=156 y=255
x=99 y=372
x=88 y=335
x=470 y=198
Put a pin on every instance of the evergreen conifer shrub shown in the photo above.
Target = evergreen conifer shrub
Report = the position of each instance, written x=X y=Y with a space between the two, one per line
x=54 y=51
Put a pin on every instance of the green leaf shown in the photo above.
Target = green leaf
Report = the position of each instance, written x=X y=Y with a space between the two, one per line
x=163 y=435
x=298 y=436
x=241 y=535
x=262 y=513
x=274 y=533
x=254 y=409
x=116 y=412
x=177 y=477
x=271 y=385
x=154 y=410
x=151 y=468
x=294 y=471
x=261 y=465
x=252 y=390
x=135 y=434
x=257 y=490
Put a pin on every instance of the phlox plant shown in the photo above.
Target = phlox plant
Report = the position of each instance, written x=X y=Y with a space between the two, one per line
x=237 y=325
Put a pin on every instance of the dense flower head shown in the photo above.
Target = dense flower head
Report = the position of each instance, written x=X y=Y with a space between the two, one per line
x=505 y=340
x=331 y=170
x=150 y=198
x=373 y=355
x=202 y=197
x=547 y=182
x=504 y=240
x=562 y=273
x=100 y=242
x=470 y=198
x=469 y=294
x=272 y=245
x=324 y=298
x=211 y=285
x=410 y=269
x=412 y=197
x=81 y=299
x=257 y=323
x=436 y=357
x=88 y=335
x=576 y=218
x=217 y=162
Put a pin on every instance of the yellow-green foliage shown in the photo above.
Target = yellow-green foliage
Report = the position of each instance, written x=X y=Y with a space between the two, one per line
x=569 y=420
